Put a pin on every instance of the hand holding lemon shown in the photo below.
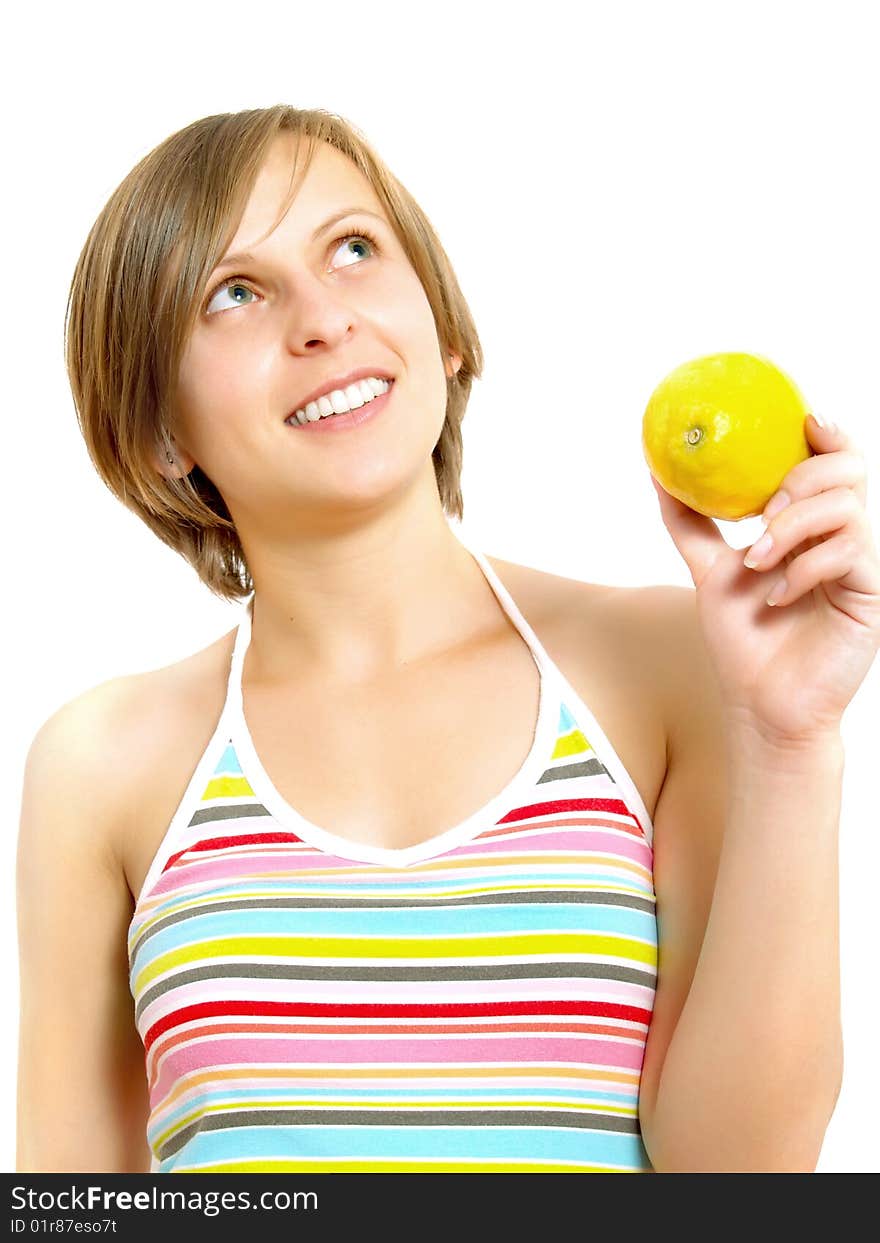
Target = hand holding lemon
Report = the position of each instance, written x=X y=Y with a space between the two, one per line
x=721 y=432
x=722 y=435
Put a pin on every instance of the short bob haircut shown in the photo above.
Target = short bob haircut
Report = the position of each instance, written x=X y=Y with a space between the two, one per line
x=136 y=294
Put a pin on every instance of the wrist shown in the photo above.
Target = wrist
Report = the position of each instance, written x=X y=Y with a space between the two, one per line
x=748 y=740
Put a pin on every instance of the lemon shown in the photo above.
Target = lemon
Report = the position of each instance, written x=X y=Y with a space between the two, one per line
x=721 y=432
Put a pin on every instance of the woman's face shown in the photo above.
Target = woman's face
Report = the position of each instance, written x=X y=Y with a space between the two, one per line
x=306 y=308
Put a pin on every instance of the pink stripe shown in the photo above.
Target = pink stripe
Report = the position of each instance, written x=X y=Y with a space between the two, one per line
x=199 y=1055
x=585 y=839
x=231 y=867
x=413 y=1084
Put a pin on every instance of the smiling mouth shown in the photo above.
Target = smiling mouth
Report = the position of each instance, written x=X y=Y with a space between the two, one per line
x=328 y=412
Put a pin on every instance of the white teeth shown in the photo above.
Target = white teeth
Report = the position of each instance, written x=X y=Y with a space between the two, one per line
x=341 y=400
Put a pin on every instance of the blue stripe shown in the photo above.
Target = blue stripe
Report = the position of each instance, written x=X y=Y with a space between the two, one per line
x=357 y=885
x=229 y=763
x=404 y=1143
x=563 y=917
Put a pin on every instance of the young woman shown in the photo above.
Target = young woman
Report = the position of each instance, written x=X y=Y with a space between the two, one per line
x=365 y=885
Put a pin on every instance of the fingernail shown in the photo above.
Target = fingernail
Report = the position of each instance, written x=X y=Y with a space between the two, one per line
x=758 y=551
x=775 y=505
x=825 y=424
x=780 y=587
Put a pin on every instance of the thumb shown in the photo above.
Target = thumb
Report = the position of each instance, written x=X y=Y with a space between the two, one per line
x=695 y=536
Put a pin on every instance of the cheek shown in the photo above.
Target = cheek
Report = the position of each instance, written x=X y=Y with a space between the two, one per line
x=402 y=308
x=224 y=375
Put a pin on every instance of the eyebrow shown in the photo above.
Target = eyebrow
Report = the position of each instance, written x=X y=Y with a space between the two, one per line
x=244 y=256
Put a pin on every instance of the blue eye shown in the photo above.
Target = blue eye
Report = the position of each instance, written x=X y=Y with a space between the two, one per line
x=239 y=283
x=232 y=284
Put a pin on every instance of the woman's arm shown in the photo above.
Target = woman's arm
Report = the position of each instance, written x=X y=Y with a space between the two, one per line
x=753 y=1065
x=82 y=1095
x=753 y=1070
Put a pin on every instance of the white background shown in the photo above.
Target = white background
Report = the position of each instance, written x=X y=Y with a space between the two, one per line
x=621 y=187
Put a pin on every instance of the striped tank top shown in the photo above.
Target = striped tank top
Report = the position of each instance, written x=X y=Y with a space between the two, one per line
x=477 y=1003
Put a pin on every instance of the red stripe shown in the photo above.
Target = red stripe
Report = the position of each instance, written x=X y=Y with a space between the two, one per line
x=306 y=1009
x=615 y=805
x=244 y=839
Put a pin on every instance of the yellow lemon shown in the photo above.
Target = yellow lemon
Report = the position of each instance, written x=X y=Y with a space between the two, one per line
x=721 y=432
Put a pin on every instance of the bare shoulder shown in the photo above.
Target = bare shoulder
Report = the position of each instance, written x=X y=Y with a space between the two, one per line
x=555 y=601
x=630 y=652
x=118 y=729
x=653 y=628
x=660 y=625
x=631 y=604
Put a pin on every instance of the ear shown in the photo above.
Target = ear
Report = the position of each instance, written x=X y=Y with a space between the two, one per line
x=180 y=462
x=456 y=363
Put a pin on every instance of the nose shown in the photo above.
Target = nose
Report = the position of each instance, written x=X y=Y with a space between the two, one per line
x=316 y=315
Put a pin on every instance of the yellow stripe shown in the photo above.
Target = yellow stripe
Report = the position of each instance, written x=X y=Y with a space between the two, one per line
x=228 y=787
x=570 y=744
x=367 y=1166
x=525 y=944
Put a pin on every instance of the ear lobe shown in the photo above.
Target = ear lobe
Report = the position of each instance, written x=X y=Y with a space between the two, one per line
x=172 y=463
x=456 y=363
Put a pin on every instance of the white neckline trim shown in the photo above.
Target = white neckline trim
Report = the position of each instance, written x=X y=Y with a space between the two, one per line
x=467 y=830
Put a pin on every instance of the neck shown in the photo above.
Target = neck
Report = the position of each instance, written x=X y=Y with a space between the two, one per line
x=352 y=607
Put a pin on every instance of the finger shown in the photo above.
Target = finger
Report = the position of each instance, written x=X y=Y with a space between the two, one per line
x=821 y=473
x=695 y=536
x=815 y=517
x=826 y=443
x=841 y=562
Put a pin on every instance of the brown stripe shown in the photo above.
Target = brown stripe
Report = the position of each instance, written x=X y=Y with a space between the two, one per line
x=404 y=1117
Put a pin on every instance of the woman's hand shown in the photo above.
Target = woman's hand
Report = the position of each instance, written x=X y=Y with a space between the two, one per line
x=789 y=671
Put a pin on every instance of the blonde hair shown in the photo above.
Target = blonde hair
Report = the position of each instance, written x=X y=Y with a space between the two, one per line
x=135 y=297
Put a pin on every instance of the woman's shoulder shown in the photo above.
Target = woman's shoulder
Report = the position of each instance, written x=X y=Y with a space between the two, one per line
x=550 y=591
x=125 y=709
x=645 y=621
x=653 y=630
x=123 y=725
x=625 y=652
